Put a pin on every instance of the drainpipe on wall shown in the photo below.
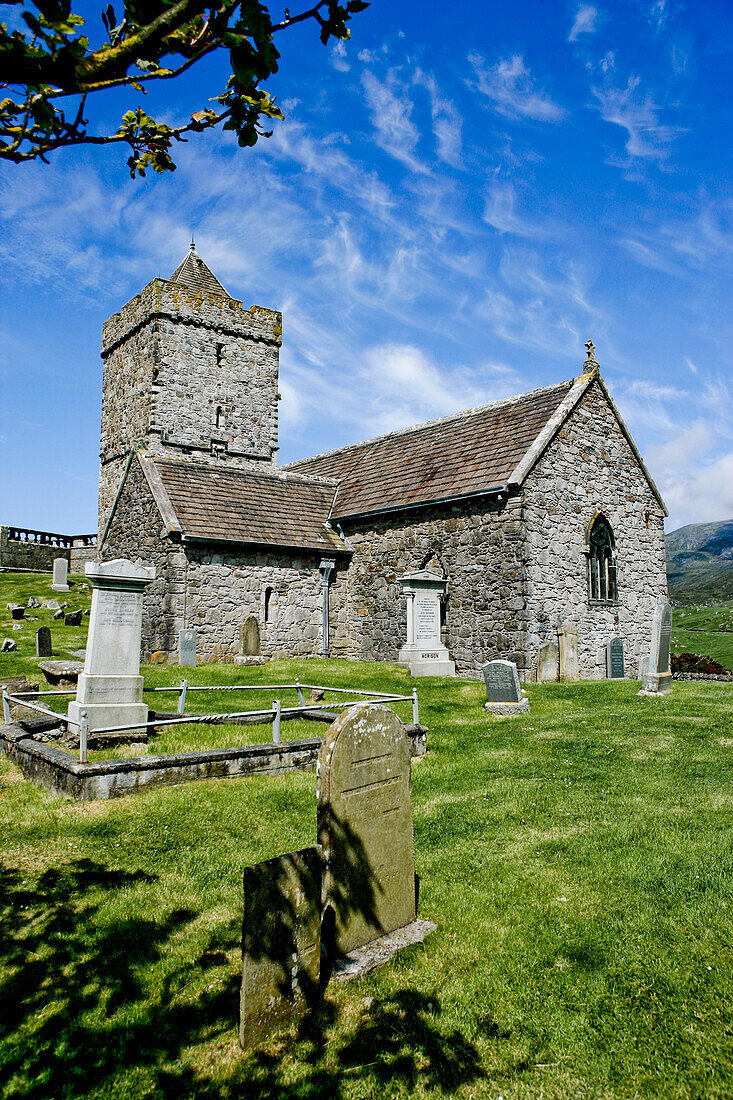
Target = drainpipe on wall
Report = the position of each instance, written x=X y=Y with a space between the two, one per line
x=326 y=566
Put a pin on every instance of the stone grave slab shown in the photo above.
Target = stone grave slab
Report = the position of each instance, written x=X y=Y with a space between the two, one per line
x=364 y=791
x=249 y=637
x=424 y=652
x=187 y=648
x=110 y=687
x=504 y=695
x=615 y=665
x=281 y=941
x=548 y=663
x=60 y=575
x=657 y=677
x=43 y=642
x=567 y=636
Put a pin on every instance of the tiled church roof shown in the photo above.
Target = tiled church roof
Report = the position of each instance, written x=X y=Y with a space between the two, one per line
x=215 y=504
x=193 y=273
x=457 y=456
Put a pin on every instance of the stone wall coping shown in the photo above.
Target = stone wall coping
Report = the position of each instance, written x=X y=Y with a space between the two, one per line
x=119 y=572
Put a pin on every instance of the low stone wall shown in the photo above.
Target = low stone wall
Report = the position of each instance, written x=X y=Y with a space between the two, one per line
x=62 y=774
x=23 y=550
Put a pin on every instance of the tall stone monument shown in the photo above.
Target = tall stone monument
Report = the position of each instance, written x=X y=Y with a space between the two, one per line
x=423 y=652
x=364 y=790
x=110 y=689
x=567 y=637
x=657 y=675
x=60 y=575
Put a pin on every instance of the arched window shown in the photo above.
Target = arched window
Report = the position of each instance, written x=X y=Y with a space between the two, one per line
x=602 y=562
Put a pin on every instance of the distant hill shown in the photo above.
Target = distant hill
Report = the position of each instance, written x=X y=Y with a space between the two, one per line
x=700 y=562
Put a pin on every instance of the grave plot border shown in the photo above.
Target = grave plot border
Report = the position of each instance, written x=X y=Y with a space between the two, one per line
x=62 y=774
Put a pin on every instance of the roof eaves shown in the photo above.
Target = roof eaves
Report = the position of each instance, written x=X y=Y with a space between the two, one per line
x=160 y=495
x=336 y=545
x=495 y=490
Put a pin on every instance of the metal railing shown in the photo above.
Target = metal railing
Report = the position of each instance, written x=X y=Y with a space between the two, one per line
x=277 y=712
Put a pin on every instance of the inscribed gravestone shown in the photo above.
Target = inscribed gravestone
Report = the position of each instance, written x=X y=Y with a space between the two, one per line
x=615 y=666
x=364 y=788
x=567 y=637
x=281 y=945
x=187 y=648
x=657 y=676
x=110 y=687
x=60 y=575
x=548 y=660
x=423 y=650
x=502 y=682
x=249 y=637
x=43 y=642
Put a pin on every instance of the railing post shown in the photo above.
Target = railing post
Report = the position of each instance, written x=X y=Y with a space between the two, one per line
x=83 y=731
x=6 y=707
x=301 y=696
x=276 y=722
x=415 y=708
x=182 y=697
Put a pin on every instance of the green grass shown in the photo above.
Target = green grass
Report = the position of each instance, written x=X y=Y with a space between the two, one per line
x=577 y=861
x=17 y=588
x=706 y=631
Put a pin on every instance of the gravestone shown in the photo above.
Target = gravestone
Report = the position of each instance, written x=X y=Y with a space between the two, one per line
x=8 y=646
x=615 y=665
x=60 y=575
x=424 y=652
x=73 y=618
x=567 y=637
x=43 y=642
x=504 y=695
x=110 y=689
x=364 y=790
x=187 y=648
x=281 y=941
x=249 y=637
x=657 y=678
x=548 y=663
x=17 y=611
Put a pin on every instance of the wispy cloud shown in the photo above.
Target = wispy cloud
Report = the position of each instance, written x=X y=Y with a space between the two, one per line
x=510 y=87
x=584 y=22
x=391 y=115
x=338 y=57
x=500 y=213
x=446 y=120
x=638 y=115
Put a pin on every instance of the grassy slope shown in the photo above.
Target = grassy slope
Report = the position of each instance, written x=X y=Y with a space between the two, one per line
x=16 y=588
x=706 y=631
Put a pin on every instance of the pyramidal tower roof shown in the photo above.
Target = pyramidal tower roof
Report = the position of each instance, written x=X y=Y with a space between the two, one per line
x=193 y=273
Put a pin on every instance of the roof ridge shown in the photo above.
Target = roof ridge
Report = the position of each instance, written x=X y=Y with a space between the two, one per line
x=504 y=401
x=280 y=473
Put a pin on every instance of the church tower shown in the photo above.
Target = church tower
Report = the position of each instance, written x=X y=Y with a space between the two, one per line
x=188 y=371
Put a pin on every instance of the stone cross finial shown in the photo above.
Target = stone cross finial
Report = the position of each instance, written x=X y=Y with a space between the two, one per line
x=590 y=349
x=590 y=366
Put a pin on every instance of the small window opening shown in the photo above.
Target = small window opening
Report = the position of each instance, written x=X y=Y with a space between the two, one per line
x=219 y=354
x=219 y=415
x=268 y=597
x=602 y=563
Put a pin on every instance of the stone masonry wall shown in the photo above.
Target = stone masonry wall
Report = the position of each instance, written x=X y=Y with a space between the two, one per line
x=188 y=372
x=481 y=553
x=214 y=591
x=590 y=468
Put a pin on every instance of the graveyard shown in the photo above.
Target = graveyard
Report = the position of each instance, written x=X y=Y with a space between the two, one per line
x=576 y=860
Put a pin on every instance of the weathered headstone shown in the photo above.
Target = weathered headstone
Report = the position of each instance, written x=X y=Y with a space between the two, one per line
x=615 y=665
x=110 y=687
x=657 y=678
x=504 y=694
x=43 y=642
x=59 y=614
x=33 y=601
x=281 y=941
x=17 y=611
x=365 y=825
x=567 y=637
x=187 y=648
x=51 y=605
x=424 y=652
x=60 y=575
x=548 y=663
x=73 y=618
x=8 y=646
x=249 y=637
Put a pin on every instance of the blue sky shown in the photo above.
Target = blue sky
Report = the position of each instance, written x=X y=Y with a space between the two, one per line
x=458 y=199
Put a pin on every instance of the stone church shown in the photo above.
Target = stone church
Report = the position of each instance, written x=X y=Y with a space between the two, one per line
x=537 y=510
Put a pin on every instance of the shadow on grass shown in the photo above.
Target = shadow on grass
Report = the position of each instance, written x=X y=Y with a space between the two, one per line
x=78 y=1014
